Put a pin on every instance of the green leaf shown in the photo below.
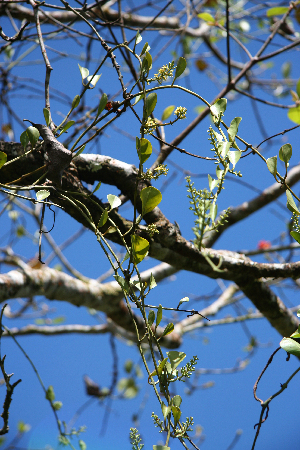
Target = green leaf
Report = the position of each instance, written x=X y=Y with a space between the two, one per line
x=138 y=98
x=103 y=219
x=82 y=444
x=33 y=134
x=138 y=38
x=176 y=414
x=285 y=153
x=144 y=149
x=223 y=148
x=295 y=335
x=114 y=201
x=145 y=49
x=67 y=126
x=296 y=236
x=161 y=447
x=150 y=197
x=175 y=357
x=291 y=205
x=57 y=405
x=50 y=394
x=79 y=151
x=140 y=248
x=234 y=126
x=167 y=112
x=277 y=11
x=3 y=159
x=93 y=79
x=234 y=157
x=24 y=139
x=152 y=282
x=96 y=188
x=47 y=116
x=294 y=114
x=272 y=165
x=286 y=69
x=213 y=210
x=180 y=68
x=84 y=72
x=151 y=318
x=290 y=346
x=206 y=17
x=176 y=400
x=219 y=107
x=165 y=410
x=102 y=104
x=150 y=103
x=23 y=427
x=128 y=366
x=298 y=87
x=75 y=102
x=149 y=61
x=158 y=316
x=169 y=328
x=212 y=183
x=42 y=194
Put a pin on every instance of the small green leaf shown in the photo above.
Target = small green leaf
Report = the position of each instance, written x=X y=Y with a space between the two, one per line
x=82 y=444
x=75 y=102
x=165 y=410
x=294 y=114
x=180 y=68
x=144 y=150
x=213 y=210
x=138 y=98
x=175 y=357
x=176 y=400
x=42 y=194
x=102 y=104
x=234 y=157
x=161 y=447
x=84 y=72
x=140 y=248
x=169 y=328
x=212 y=183
x=167 y=112
x=145 y=49
x=114 y=201
x=47 y=116
x=150 y=103
x=103 y=218
x=206 y=17
x=121 y=281
x=277 y=11
x=295 y=335
x=149 y=61
x=152 y=282
x=3 y=159
x=286 y=69
x=138 y=38
x=158 y=316
x=23 y=427
x=57 y=405
x=33 y=134
x=272 y=165
x=24 y=139
x=79 y=151
x=298 y=87
x=96 y=188
x=234 y=126
x=291 y=205
x=150 y=197
x=285 y=153
x=223 y=148
x=296 y=236
x=151 y=318
x=290 y=346
x=67 y=126
x=50 y=394
x=93 y=79
x=176 y=414
x=219 y=107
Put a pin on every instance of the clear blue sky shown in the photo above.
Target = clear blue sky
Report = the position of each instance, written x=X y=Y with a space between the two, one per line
x=62 y=361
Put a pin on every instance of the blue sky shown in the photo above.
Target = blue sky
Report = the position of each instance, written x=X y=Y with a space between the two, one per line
x=62 y=361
